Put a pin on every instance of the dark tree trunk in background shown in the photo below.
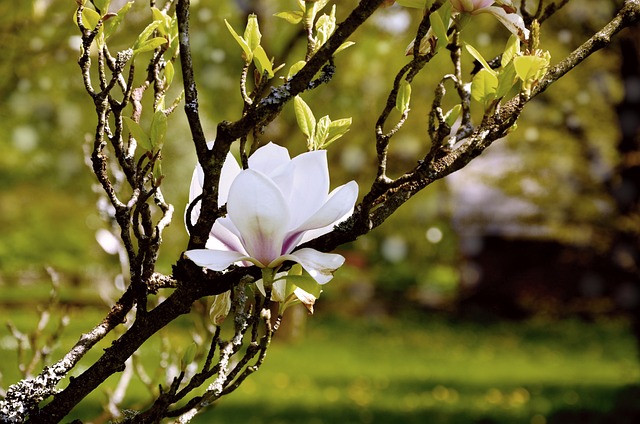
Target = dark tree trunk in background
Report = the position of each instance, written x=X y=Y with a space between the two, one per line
x=625 y=187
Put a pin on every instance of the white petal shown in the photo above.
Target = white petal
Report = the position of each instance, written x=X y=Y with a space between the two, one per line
x=230 y=170
x=268 y=158
x=307 y=299
x=258 y=210
x=340 y=203
x=216 y=260
x=224 y=236
x=319 y=265
x=512 y=21
x=310 y=185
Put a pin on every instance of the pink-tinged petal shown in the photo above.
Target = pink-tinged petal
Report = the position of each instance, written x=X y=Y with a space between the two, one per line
x=269 y=158
x=258 y=210
x=512 y=21
x=319 y=265
x=195 y=189
x=224 y=236
x=340 y=203
x=310 y=185
x=216 y=260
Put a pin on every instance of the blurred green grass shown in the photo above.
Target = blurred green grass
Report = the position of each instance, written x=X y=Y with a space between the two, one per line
x=413 y=369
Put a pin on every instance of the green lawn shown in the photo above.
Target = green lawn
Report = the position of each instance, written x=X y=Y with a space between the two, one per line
x=422 y=369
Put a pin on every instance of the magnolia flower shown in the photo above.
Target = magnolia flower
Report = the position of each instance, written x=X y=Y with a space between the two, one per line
x=503 y=10
x=273 y=206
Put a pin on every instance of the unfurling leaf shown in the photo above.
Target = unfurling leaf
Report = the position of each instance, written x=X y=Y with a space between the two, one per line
x=452 y=115
x=90 y=18
x=511 y=50
x=138 y=133
x=169 y=72
x=293 y=17
x=248 y=53
x=102 y=5
x=306 y=120
x=295 y=68
x=484 y=86
x=112 y=24
x=403 y=97
x=252 y=34
x=158 y=129
x=337 y=129
x=477 y=56
x=531 y=69
x=262 y=62
x=150 y=45
x=343 y=46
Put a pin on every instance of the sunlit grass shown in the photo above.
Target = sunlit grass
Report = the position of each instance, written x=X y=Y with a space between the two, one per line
x=419 y=369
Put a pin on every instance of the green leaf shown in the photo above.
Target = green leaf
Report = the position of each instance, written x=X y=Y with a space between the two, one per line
x=293 y=17
x=248 y=53
x=90 y=18
x=159 y=15
x=112 y=24
x=343 y=46
x=138 y=133
x=476 y=54
x=157 y=171
x=145 y=34
x=403 y=97
x=452 y=115
x=158 y=129
x=484 y=86
x=252 y=32
x=528 y=67
x=439 y=30
x=102 y=5
x=507 y=79
x=325 y=26
x=306 y=120
x=262 y=62
x=337 y=129
x=149 y=45
x=169 y=72
x=189 y=356
x=295 y=68
x=510 y=51
x=322 y=131
x=306 y=283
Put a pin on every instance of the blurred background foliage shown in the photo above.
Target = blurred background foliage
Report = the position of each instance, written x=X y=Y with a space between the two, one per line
x=548 y=186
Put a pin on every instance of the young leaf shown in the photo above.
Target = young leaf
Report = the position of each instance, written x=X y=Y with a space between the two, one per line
x=169 y=72
x=476 y=54
x=149 y=45
x=248 y=53
x=295 y=68
x=90 y=18
x=511 y=50
x=343 y=46
x=322 y=131
x=528 y=67
x=262 y=62
x=484 y=86
x=452 y=115
x=507 y=78
x=306 y=283
x=293 y=17
x=439 y=30
x=138 y=133
x=145 y=34
x=337 y=129
x=403 y=97
x=112 y=24
x=325 y=26
x=102 y=5
x=252 y=33
x=304 y=117
x=158 y=129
